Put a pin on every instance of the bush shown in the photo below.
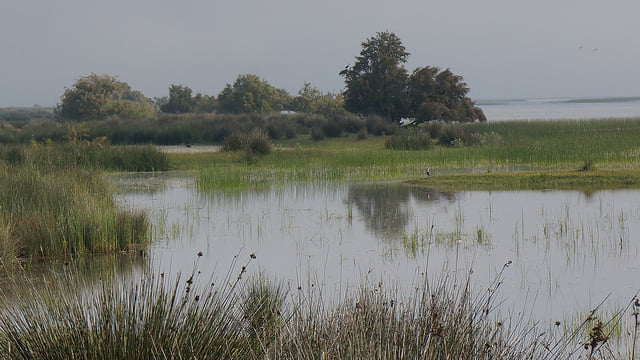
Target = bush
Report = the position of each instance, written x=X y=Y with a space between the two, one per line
x=257 y=142
x=409 y=139
x=378 y=125
x=234 y=142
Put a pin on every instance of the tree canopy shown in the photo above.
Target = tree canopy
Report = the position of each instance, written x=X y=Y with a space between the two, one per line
x=95 y=97
x=180 y=101
x=379 y=84
x=310 y=100
x=376 y=83
x=250 y=94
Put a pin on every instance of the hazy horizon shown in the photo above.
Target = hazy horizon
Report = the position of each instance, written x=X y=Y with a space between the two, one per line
x=503 y=49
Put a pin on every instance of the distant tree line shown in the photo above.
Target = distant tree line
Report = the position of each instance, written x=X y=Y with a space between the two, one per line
x=377 y=84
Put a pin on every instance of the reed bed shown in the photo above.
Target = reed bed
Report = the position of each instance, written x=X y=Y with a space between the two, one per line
x=188 y=316
x=56 y=203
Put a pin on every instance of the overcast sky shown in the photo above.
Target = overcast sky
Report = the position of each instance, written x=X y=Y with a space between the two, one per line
x=502 y=48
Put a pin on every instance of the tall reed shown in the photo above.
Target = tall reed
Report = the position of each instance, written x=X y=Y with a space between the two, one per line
x=159 y=316
x=55 y=203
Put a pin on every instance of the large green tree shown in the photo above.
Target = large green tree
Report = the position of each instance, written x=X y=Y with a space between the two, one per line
x=250 y=94
x=95 y=97
x=375 y=84
x=440 y=95
x=180 y=100
x=379 y=84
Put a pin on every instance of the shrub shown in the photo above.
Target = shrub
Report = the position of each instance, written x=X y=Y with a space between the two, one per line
x=234 y=142
x=378 y=125
x=317 y=133
x=259 y=143
x=256 y=142
x=409 y=139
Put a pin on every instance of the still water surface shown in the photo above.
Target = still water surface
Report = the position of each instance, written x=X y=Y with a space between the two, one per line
x=553 y=109
x=569 y=250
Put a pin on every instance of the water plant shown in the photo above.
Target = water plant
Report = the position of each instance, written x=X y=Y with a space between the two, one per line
x=55 y=205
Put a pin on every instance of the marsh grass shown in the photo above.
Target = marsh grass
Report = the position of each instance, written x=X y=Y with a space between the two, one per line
x=153 y=317
x=540 y=147
x=64 y=213
x=588 y=180
x=97 y=155
x=237 y=316
x=55 y=205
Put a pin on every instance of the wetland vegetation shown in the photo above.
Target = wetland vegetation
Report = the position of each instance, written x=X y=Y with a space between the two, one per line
x=57 y=204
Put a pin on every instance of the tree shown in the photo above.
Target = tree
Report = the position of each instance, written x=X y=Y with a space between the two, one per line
x=250 y=94
x=310 y=100
x=180 y=100
x=378 y=84
x=375 y=84
x=96 y=97
x=440 y=95
x=204 y=103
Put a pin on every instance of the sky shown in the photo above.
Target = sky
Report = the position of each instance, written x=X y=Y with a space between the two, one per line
x=502 y=48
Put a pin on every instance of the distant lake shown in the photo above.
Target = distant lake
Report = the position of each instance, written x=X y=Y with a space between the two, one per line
x=563 y=108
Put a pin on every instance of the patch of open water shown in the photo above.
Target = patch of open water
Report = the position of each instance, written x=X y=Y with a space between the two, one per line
x=568 y=250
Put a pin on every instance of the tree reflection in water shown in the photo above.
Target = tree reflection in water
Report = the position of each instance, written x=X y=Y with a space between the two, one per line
x=385 y=207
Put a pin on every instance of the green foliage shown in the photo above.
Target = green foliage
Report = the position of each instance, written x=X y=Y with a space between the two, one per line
x=180 y=101
x=263 y=305
x=310 y=100
x=18 y=116
x=378 y=125
x=376 y=83
x=96 y=97
x=13 y=154
x=157 y=316
x=80 y=150
x=65 y=212
x=249 y=94
x=440 y=95
x=152 y=317
x=409 y=139
x=255 y=142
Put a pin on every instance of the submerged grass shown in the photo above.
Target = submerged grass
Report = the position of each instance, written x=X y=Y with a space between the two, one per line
x=189 y=317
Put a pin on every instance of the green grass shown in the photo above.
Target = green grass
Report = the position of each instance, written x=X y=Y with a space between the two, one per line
x=530 y=146
x=55 y=203
x=192 y=317
x=64 y=213
x=535 y=180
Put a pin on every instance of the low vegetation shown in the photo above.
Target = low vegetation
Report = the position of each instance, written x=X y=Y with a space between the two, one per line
x=56 y=204
x=191 y=317
x=607 y=149
x=589 y=180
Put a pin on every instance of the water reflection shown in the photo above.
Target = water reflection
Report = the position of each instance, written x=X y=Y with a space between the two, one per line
x=569 y=250
x=387 y=208
x=86 y=270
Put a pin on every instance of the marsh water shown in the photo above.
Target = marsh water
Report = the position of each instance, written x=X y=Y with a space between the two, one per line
x=560 y=108
x=568 y=250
